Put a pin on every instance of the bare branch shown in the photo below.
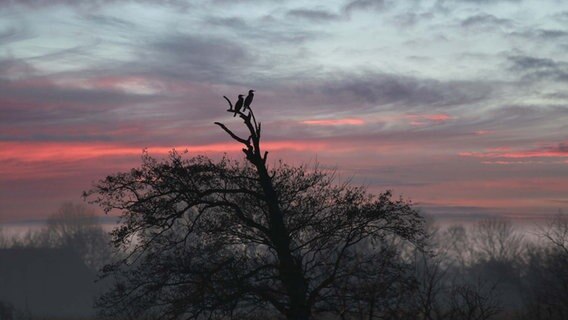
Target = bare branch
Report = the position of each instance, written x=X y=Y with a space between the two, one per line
x=234 y=136
x=230 y=104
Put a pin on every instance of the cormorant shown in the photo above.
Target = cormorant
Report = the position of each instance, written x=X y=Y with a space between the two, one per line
x=248 y=100
x=238 y=105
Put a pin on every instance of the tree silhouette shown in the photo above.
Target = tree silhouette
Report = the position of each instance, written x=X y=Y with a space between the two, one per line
x=225 y=239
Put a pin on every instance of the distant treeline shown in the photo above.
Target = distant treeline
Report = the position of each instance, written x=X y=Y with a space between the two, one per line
x=489 y=270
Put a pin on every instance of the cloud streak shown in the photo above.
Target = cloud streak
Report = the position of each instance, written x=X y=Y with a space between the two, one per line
x=335 y=122
x=555 y=151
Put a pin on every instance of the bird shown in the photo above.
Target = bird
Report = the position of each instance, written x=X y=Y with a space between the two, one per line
x=249 y=98
x=238 y=105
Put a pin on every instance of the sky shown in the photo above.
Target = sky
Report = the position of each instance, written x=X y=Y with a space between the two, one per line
x=460 y=106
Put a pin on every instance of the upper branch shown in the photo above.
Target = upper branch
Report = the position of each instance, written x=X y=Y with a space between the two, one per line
x=252 y=144
x=230 y=104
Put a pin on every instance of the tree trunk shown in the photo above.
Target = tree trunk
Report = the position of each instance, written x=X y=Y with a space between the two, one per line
x=290 y=270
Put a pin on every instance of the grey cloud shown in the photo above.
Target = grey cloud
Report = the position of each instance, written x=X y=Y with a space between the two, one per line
x=557 y=95
x=364 y=5
x=29 y=98
x=194 y=57
x=562 y=16
x=528 y=113
x=485 y=20
x=552 y=34
x=501 y=122
x=535 y=69
x=65 y=54
x=62 y=137
x=313 y=15
x=526 y=122
x=561 y=147
x=348 y=94
x=51 y=103
x=490 y=1
x=407 y=91
x=89 y=4
x=522 y=63
x=106 y=20
x=239 y=2
x=410 y=19
x=477 y=1
x=11 y=68
x=541 y=34
x=230 y=22
x=13 y=34
x=266 y=31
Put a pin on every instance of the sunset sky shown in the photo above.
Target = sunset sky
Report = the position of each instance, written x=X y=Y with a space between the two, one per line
x=460 y=106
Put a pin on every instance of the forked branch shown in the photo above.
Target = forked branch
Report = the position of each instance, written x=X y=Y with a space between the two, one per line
x=252 y=144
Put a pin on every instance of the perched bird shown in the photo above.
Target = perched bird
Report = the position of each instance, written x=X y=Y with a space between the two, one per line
x=238 y=105
x=249 y=98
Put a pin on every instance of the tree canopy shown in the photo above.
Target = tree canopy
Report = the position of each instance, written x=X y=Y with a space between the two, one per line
x=222 y=238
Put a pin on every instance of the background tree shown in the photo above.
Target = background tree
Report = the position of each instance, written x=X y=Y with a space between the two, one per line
x=546 y=279
x=76 y=227
x=227 y=239
x=497 y=240
x=448 y=285
x=4 y=241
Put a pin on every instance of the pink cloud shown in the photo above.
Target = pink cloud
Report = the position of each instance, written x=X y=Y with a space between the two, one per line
x=506 y=193
x=505 y=162
x=131 y=84
x=518 y=154
x=555 y=151
x=336 y=122
x=425 y=119
x=58 y=151
x=437 y=117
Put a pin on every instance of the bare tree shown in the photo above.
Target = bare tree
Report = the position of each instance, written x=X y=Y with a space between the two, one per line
x=458 y=247
x=7 y=311
x=546 y=276
x=556 y=233
x=449 y=287
x=497 y=240
x=4 y=242
x=226 y=239
x=473 y=301
x=77 y=227
x=72 y=226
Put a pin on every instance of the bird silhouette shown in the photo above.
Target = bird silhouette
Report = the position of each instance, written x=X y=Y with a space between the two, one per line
x=239 y=105
x=249 y=98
